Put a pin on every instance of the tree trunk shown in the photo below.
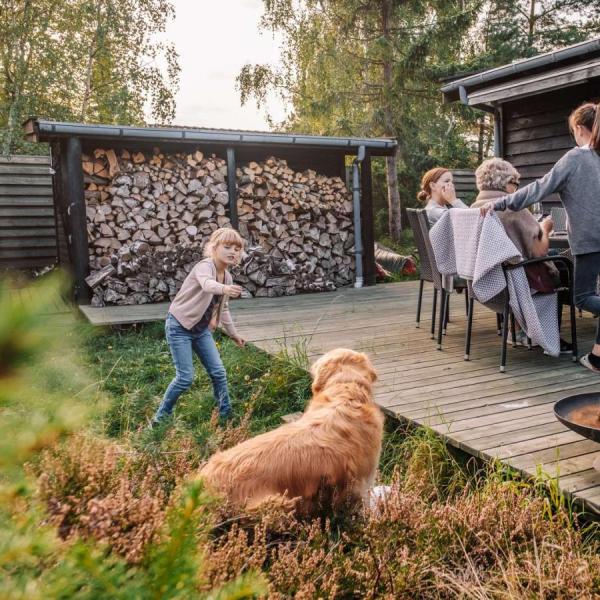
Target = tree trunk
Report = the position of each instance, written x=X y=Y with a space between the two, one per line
x=12 y=123
x=532 y=23
x=87 y=92
x=21 y=62
x=391 y=162
x=394 y=205
x=480 y=139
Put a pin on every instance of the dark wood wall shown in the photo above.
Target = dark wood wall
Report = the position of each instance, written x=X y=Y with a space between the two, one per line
x=27 y=228
x=464 y=184
x=536 y=132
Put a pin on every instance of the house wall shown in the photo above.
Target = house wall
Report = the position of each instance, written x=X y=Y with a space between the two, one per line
x=535 y=129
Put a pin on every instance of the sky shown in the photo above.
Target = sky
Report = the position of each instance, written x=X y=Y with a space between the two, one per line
x=214 y=39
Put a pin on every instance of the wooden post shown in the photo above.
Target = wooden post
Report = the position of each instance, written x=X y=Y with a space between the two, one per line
x=55 y=153
x=499 y=132
x=367 y=221
x=232 y=188
x=74 y=196
x=64 y=224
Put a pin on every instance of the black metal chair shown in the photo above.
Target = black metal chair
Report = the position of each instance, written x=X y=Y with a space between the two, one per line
x=501 y=305
x=428 y=272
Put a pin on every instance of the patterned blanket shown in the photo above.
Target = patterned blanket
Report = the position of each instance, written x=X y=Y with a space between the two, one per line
x=474 y=247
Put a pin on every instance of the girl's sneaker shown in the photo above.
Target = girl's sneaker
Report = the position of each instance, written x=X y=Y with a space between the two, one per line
x=522 y=339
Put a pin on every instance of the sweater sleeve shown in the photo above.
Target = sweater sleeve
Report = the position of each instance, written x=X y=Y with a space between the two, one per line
x=207 y=281
x=551 y=182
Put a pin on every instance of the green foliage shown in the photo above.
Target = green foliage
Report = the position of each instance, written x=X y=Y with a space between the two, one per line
x=83 y=60
x=524 y=28
x=375 y=67
x=39 y=380
x=45 y=396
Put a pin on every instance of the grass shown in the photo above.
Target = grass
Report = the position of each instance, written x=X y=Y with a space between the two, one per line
x=134 y=367
x=105 y=507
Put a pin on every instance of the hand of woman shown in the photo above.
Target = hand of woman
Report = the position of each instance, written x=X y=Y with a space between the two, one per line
x=240 y=342
x=486 y=208
x=449 y=193
x=233 y=291
x=547 y=224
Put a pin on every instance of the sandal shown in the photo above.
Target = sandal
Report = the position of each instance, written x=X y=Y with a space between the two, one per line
x=585 y=361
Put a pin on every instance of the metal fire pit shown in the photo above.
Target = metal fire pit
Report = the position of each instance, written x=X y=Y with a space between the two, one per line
x=581 y=413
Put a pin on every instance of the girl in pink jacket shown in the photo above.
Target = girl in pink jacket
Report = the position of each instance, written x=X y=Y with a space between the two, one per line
x=200 y=306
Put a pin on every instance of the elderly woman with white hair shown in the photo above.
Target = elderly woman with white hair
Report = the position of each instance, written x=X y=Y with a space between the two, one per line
x=496 y=178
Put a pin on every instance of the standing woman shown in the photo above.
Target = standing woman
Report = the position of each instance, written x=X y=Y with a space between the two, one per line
x=437 y=189
x=576 y=177
x=198 y=308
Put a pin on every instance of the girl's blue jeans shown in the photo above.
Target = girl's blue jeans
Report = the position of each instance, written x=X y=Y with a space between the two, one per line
x=183 y=343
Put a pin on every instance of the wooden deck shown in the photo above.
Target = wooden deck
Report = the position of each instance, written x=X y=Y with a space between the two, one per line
x=471 y=404
x=56 y=305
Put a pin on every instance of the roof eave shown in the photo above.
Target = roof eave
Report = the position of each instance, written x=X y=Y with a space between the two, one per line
x=450 y=91
x=42 y=130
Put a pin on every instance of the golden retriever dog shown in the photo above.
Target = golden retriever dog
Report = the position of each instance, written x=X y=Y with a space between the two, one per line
x=328 y=455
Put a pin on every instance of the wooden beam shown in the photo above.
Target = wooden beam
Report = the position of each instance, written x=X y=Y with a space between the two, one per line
x=367 y=221
x=73 y=188
x=232 y=188
x=55 y=152
x=499 y=132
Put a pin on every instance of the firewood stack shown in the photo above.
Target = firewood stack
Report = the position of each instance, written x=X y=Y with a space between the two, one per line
x=149 y=215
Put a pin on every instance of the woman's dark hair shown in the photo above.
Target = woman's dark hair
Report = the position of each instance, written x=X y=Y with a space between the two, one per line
x=588 y=115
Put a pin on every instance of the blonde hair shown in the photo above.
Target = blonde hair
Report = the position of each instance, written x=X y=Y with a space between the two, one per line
x=430 y=177
x=223 y=235
x=495 y=174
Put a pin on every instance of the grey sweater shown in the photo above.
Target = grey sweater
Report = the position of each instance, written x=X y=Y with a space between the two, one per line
x=576 y=177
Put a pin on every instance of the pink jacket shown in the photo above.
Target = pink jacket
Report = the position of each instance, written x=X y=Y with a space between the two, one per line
x=195 y=295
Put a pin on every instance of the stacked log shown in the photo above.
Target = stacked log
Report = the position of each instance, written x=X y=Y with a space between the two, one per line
x=149 y=215
x=302 y=225
x=162 y=200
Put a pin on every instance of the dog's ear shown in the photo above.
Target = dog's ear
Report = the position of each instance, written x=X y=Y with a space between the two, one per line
x=322 y=371
x=360 y=359
x=368 y=366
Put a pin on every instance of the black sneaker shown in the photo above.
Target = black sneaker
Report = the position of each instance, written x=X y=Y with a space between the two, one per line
x=565 y=347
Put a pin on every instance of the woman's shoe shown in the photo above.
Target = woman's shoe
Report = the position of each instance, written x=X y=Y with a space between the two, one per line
x=585 y=361
x=565 y=348
x=522 y=340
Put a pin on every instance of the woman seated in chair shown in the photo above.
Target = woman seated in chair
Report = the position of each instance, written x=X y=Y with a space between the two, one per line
x=437 y=189
x=495 y=178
